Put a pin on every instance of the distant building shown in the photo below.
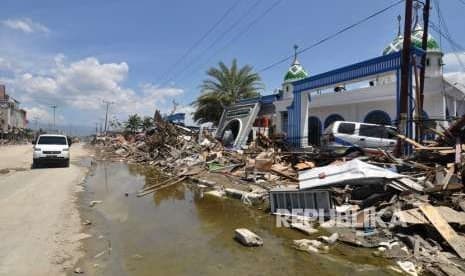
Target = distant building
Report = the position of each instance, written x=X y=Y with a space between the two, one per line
x=177 y=118
x=12 y=117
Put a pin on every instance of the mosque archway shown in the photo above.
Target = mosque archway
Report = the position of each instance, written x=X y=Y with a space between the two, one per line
x=230 y=132
x=332 y=118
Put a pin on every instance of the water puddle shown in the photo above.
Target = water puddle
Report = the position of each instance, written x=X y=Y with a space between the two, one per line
x=177 y=231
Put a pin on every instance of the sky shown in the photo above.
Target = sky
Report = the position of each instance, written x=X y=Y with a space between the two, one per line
x=76 y=54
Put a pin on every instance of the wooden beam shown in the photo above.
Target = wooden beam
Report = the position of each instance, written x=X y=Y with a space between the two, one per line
x=455 y=241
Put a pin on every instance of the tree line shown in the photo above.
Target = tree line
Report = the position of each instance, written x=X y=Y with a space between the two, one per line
x=224 y=86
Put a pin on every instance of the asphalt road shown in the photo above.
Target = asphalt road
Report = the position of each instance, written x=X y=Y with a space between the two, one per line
x=40 y=227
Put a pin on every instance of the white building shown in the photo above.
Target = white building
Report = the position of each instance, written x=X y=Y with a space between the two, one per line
x=368 y=91
x=364 y=92
x=12 y=117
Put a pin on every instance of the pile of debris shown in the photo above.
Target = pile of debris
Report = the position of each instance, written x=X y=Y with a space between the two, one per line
x=411 y=209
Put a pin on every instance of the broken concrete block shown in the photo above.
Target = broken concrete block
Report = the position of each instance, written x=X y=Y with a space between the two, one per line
x=304 y=227
x=247 y=197
x=247 y=237
x=215 y=193
x=120 y=151
x=311 y=246
x=331 y=239
x=408 y=267
x=94 y=202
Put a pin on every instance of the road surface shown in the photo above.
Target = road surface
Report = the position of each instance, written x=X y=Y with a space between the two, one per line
x=40 y=227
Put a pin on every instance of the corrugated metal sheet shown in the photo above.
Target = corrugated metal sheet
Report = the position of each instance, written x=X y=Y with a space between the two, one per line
x=290 y=199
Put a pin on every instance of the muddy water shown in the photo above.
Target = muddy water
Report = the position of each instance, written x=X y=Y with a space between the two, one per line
x=178 y=231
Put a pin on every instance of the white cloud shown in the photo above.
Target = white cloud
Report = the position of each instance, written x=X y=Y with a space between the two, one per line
x=25 y=25
x=451 y=61
x=38 y=112
x=5 y=64
x=43 y=115
x=82 y=85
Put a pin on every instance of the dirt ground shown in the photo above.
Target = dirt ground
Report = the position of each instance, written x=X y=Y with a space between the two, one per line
x=40 y=227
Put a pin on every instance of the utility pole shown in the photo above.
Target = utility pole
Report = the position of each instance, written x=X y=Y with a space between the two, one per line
x=54 y=106
x=424 y=46
x=36 y=122
x=106 y=115
x=405 y=76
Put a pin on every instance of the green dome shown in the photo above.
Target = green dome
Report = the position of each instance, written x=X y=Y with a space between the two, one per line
x=417 y=37
x=295 y=72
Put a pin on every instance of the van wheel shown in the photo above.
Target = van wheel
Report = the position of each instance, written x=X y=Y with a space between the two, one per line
x=67 y=163
x=35 y=164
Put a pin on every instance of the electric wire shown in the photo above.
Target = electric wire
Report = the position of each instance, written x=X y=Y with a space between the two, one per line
x=216 y=41
x=446 y=35
x=331 y=36
x=239 y=34
x=202 y=38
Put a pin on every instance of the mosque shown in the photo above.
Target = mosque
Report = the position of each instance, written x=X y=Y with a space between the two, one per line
x=368 y=91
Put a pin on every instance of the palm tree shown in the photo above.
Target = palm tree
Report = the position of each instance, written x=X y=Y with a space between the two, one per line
x=223 y=87
x=133 y=123
x=147 y=123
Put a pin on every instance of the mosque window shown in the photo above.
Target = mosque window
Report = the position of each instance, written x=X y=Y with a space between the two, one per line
x=427 y=62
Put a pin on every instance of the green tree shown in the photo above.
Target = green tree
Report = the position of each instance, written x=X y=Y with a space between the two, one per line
x=147 y=123
x=133 y=123
x=223 y=87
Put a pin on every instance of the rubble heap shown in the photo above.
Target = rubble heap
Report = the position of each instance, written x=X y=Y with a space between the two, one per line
x=410 y=209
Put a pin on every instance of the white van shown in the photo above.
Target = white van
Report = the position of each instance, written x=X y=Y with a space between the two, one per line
x=353 y=134
x=50 y=148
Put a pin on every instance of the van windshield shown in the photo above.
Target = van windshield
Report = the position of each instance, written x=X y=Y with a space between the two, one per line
x=52 y=140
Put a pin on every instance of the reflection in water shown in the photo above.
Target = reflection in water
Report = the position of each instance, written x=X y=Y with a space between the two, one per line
x=176 y=192
x=180 y=232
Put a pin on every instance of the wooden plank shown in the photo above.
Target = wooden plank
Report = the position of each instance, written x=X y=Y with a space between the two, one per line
x=161 y=187
x=284 y=175
x=410 y=141
x=455 y=241
x=150 y=187
x=450 y=173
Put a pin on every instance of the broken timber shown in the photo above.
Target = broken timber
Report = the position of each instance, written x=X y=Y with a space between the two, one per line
x=159 y=187
x=455 y=241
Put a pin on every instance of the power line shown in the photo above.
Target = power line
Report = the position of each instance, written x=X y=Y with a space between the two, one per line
x=250 y=25
x=462 y=1
x=241 y=33
x=218 y=39
x=446 y=34
x=202 y=38
x=451 y=41
x=331 y=36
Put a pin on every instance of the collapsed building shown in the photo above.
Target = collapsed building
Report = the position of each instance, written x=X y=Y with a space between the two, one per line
x=12 y=117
